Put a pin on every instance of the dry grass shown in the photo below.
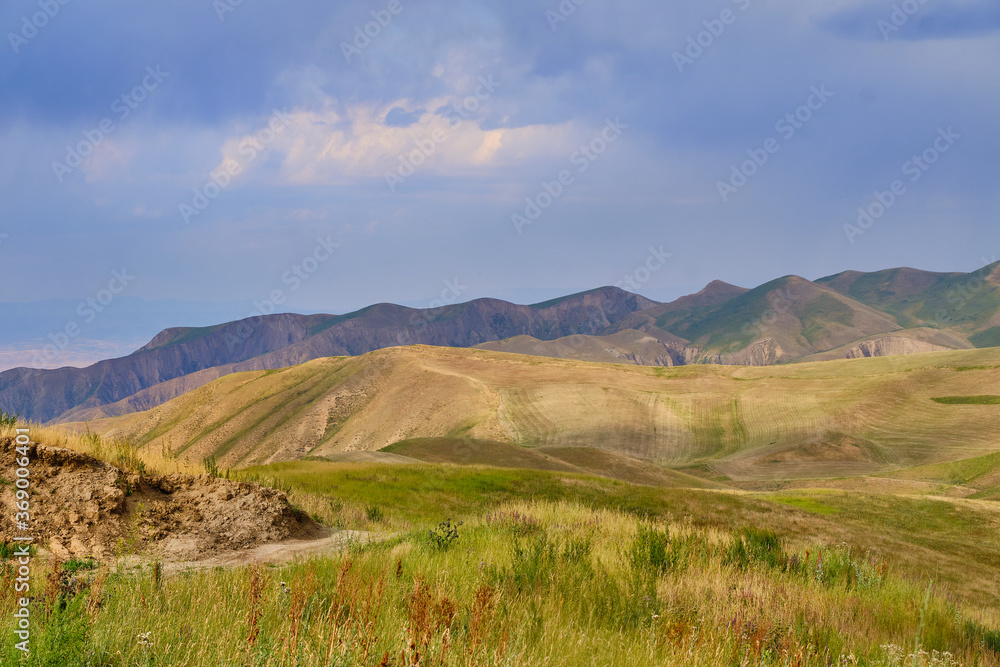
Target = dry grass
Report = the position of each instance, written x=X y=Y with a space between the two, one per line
x=749 y=423
x=526 y=584
x=119 y=450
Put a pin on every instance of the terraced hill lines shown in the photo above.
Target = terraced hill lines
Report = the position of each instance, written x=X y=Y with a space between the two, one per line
x=846 y=316
x=824 y=419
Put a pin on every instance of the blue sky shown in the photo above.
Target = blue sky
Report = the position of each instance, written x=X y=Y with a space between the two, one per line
x=300 y=120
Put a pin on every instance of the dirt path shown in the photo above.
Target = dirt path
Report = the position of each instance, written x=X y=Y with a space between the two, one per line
x=274 y=552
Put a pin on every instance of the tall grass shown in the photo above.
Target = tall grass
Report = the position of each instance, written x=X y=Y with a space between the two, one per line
x=121 y=451
x=532 y=583
x=8 y=424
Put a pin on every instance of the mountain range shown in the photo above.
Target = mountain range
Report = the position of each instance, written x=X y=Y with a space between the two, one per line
x=847 y=315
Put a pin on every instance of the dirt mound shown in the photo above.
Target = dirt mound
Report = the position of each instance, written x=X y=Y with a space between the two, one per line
x=82 y=506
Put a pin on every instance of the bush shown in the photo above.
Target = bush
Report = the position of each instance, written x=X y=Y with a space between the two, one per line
x=986 y=639
x=755 y=546
x=445 y=535
x=374 y=513
x=651 y=551
x=211 y=466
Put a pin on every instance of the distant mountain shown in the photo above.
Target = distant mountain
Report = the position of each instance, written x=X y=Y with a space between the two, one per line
x=276 y=341
x=848 y=315
x=968 y=303
x=33 y=333
x=787 y=318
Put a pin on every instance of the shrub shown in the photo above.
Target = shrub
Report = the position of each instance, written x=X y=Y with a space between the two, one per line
x=211 y=466
x=444 y=535
x=985 y=638
x=651 y=550
x=375 y=514
x=755 y=546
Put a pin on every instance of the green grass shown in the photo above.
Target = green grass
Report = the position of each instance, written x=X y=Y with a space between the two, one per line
x=818 y=314
x=529 y=583
x=417 y=494
x=903 y=529
x=810 y=505
x=963 y=472
x=550 y=568
x=967 y=400
x=988 y=338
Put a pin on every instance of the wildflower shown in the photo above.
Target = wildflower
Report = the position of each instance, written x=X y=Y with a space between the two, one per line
x=144 y=639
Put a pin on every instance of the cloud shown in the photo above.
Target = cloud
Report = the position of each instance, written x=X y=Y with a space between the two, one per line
x=399 y=117
x=916 y=20
x=326 y=147
x=351 y=122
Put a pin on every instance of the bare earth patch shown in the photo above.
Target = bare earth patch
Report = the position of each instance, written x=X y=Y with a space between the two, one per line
x=82 y=506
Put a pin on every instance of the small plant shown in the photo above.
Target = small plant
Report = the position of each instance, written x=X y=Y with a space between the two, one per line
x=753 y=546
x=7 y=422
x=79 y=564
x=8 y=550
x=211 y=466
x=130 y=543
x=445 y=534
x=93 y=443
x=125 y=455
x=651 y=550
x=374 y=513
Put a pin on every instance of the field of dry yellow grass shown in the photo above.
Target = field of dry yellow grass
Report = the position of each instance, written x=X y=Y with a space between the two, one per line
x=811 y=420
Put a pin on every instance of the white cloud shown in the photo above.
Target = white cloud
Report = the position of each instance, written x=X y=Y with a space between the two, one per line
x=329 y=148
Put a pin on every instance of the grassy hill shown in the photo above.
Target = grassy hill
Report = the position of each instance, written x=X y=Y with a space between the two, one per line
x=801 y=318
x=851 y=314
x=966 y=302
x=543 y=562
x=823 y=419
x=550 y=568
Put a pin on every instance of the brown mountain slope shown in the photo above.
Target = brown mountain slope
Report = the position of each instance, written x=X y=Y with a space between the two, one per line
x=747 y=422
x=625 y=347
x=276 y=341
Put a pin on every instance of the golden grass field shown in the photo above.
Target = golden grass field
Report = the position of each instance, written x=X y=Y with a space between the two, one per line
x=826 y=513
x=798 y=421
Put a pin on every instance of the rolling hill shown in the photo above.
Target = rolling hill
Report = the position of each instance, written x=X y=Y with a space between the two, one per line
x=823 y=419
x=968 y=303
x=277 y=341
x=848 y=315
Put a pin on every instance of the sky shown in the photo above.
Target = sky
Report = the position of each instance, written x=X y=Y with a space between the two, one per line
x=324 y=156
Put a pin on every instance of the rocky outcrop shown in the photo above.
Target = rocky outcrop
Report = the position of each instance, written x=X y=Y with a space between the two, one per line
x=890 y=345
x=763 y=352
